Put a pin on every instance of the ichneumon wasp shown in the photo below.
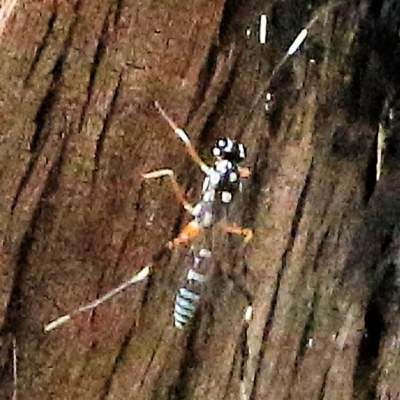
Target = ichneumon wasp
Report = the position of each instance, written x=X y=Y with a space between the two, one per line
x=222 y=181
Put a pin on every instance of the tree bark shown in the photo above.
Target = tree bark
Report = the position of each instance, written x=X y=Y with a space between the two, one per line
x=78 y=128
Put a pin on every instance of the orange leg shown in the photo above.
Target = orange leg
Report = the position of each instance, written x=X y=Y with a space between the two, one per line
x=185 y=138
x=238 y=230
x=177 y=188
x=188 y=233
x=244 y=172
x=192 y=229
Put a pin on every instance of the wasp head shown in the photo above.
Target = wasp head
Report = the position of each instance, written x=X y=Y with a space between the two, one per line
x=229 y=149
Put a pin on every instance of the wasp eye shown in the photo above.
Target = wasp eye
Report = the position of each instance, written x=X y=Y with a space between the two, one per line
x=219 y=147
x=216 y=152
x=229 y=149
x=221 y=143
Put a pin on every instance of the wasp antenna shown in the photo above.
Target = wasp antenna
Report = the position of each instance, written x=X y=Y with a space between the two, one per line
x=179 y=131
x=185 y=139
x=301 y=37
x=170 y=121
x=57 y=322
x=141 y=275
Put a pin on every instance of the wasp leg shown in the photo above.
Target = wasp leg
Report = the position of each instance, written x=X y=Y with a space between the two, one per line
x=177 y=188
x=244 y=172
x=241 y=287
x=188 y=233
x=238 y=230
x=193 y=228
x=185 y=138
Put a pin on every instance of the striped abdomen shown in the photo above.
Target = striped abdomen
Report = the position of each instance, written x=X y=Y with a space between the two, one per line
x=189 y=295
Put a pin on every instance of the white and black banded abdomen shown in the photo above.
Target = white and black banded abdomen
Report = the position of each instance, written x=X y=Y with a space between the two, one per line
x=190 y=293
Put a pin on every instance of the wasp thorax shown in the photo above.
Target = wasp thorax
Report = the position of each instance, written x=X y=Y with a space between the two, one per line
x=229 y=149
x=222 y=166
x=228 y=183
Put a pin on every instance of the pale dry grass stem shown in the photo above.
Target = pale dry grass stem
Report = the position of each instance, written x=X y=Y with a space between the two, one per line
x=7 y=7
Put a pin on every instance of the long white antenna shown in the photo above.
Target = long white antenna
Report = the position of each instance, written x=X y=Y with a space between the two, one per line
x=297 y=42
x=141 y=275
x=301 y=37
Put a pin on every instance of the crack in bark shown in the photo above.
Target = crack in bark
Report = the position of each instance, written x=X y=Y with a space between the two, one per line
x=118 y=359
x=238 y=350
x=291 y=240
x=212 y=87
x=125 y=343
x=98 y=56
x=37 y=142
x=159 y=341
x=322 y=390
x=368 y=356
x=118 y=11
x=295 y=224
x=49 y=100
x=43 y=45
x=370 y=172
x=307 y=330
x=320 y=249
x=50 y=186
x=233 y=18
x=39 y=138
x=245 y=353
x=206 y=75
x=237 y=355
x=188 y=361
x=258 y=178
x=102 y=136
